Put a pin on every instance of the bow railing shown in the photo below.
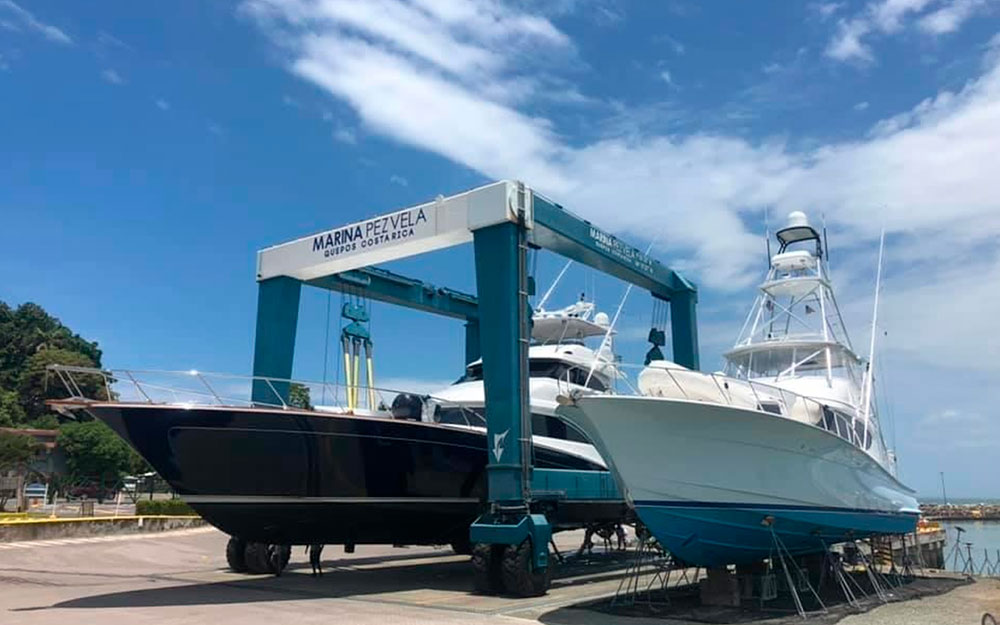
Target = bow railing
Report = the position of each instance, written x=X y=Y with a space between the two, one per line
x=84 y=385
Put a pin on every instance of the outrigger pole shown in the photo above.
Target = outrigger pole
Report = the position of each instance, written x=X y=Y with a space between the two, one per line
x=870 y=373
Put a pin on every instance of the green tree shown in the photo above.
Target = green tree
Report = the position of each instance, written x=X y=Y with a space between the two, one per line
x=11 y=413
x=137 y=465
x=35 y=384
x=93 y=450
x=16 y=452
x=28 y=329
x=298 y=396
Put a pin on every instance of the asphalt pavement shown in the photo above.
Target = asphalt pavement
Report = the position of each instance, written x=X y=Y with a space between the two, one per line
x=181 y=577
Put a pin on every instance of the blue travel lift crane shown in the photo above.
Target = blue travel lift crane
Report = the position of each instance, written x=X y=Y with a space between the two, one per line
x=502 y=220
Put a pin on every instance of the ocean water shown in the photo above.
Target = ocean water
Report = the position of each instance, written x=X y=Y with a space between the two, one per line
x=982 y=535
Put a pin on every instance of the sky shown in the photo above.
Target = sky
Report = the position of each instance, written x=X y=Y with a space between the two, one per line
x=148 y=150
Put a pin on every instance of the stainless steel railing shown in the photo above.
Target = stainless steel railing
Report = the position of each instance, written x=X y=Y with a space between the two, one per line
x=837 y=417
x=197 y=388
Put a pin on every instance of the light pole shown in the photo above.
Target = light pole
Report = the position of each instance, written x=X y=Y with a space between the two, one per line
x=944 y=493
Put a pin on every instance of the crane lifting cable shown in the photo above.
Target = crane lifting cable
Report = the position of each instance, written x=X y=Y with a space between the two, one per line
x=355 y=337
x=657 y=335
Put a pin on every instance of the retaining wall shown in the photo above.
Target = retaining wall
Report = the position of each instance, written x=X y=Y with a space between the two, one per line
x=43 y=529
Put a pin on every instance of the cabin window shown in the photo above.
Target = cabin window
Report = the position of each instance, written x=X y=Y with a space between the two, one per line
x=456 y=415
x=839 y=424
x=555 y=369
x=771 y=406
x=863 y=435
x=541 y=424
x=554 y=427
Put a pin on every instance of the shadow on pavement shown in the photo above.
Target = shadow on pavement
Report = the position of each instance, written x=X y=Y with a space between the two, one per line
x=341 y=579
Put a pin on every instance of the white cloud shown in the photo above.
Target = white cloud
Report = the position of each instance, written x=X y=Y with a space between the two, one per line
x=113 y=77
x=861 y=106
x=954 y=430
x=667 y=78
x=109 y=40
x=675 y=45
x=28 y=19
x=399 y=180
x=929 y=171
x=827 y=9
x=162 y=104
x=888 y=17
x=847 y=44
x=344 y=134
x=949 y=18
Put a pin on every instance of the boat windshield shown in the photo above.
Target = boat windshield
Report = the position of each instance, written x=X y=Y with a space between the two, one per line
x=780 y=361
x=547 y=368
x=541 y=424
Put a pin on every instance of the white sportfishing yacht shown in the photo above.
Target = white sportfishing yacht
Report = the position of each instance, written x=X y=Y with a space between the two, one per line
x=559 y=362
x=785 y=445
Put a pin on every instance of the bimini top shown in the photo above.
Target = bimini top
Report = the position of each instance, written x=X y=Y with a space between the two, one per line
x=570 y=324
x=798 y=229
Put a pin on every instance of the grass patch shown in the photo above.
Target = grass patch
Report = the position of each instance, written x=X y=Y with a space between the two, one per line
x=164 y=507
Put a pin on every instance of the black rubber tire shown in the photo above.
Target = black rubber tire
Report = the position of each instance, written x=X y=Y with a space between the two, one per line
x=486 y=575
x=462 y=546
x=519 y=575
x=236 y=555
x=256 y=556
x=278 y=557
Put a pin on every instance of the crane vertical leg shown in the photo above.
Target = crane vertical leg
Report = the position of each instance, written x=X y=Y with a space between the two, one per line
x=508 y=531
x=472 y=350
x=274 y=347
x=684 y=328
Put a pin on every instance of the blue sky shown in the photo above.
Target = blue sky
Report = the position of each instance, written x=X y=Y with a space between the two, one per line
x=147 y=150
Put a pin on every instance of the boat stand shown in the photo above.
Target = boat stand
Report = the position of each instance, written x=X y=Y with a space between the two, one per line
x=956 y=551
x=650 y=558
x=911 y=564
x=878 y=582
x=800 y=581
x=834 y=563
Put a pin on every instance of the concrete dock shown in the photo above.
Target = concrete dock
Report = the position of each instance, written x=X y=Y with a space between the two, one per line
x=181 y=577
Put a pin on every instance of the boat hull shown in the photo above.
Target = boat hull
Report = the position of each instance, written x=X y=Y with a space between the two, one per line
x=717 y=484
x=300 y=477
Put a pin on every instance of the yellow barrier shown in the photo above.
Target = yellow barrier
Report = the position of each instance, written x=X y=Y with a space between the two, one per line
x=25 y=519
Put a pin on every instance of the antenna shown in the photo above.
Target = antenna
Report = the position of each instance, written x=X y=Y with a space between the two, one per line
x=611 y=326
x=767 y=236
x=869 y=379
x=826 y=244
x=545 y=297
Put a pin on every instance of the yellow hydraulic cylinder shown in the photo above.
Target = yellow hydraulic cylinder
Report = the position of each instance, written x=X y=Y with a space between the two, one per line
x=347 y=373
x=357 y=373
x=371 y=376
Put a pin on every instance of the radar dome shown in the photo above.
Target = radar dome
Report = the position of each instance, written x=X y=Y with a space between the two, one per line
x=601 y=319
x=797 y=219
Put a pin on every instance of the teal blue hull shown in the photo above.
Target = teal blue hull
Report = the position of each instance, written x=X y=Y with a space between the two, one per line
x=714 y=534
